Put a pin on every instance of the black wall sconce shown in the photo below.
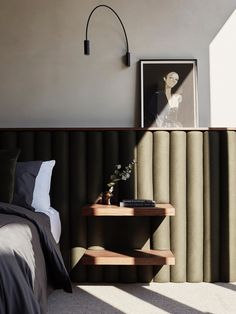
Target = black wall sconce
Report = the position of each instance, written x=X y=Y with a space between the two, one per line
x=87 y=43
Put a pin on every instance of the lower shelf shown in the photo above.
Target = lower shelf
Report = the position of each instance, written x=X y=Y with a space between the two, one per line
x=132 y=257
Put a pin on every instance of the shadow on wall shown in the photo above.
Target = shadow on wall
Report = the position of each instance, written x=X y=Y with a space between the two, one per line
x=219 y=206
x=224 y=261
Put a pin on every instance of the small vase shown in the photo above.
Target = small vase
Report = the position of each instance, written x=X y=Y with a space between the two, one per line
x=106 y=198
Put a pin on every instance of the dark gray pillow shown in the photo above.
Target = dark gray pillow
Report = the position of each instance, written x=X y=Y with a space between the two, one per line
x=8 y=160
x=25 y=176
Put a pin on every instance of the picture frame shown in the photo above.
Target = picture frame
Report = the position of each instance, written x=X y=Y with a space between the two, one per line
x=169 y=93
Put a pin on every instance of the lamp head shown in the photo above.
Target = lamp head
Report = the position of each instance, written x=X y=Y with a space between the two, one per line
x=127 y=59
x=86 y=47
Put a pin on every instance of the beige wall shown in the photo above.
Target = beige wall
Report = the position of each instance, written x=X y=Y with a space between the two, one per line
x=45 y=80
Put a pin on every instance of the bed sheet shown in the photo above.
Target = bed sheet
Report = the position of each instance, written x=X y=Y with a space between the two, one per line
x=29 y=259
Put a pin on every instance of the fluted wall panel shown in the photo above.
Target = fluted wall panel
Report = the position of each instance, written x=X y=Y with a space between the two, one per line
x=78 y=195
x=232 y=205
x=25 y=140
x=195 y=206
x=110 y=159
x=145 y=165
x=228 y=206
x=161 y=176
x=8 y=139
x=43 y=145
x=95 y=236
x=144 y=158
x=129 y=230
x=127 y=153
x=211 y=198
x=193 y=170
x=60 y=188
x=178 y=185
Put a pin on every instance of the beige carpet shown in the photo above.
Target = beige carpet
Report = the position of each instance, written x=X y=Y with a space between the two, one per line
x=178 y=298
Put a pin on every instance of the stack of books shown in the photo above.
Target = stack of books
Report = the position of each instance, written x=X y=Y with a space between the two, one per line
x=137 y=203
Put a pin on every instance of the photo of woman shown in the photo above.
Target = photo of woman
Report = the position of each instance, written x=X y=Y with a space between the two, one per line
x=168 y=93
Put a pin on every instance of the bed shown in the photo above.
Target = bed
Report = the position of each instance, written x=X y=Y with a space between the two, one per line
x=31 y=264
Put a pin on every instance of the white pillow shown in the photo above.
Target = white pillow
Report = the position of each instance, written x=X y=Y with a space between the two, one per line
x=41 y=198
x=55 y=223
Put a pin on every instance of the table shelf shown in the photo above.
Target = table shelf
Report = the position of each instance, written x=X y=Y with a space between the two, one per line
x=130 y=257
x=112 y=210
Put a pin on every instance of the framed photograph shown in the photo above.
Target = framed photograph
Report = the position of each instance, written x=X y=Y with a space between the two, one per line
x=169 y=93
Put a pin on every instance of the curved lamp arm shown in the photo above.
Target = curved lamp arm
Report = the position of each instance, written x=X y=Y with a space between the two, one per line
x=86 y=41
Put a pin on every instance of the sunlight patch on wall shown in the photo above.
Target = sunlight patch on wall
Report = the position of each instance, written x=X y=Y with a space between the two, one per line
x=222 y=53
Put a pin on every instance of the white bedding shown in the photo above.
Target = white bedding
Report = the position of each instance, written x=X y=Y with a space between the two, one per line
x=55 y=222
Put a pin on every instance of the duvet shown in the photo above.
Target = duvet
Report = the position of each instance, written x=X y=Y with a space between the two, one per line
x=29 y=260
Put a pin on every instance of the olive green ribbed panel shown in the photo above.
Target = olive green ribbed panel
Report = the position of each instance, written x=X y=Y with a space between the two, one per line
x=194 y=206
x=127 y=147
x=8 y=140
x=211 y=206
x=224 y=207
x=94 y=165
x=78 y=193
x=161 y=157
x=140 y=228
x=144 y=165
x=42 y=145
x=110 y=159
x=25 y=141
x=145 y=190
x=60 y=188
x=178 y=200
x=94 y=186
x=95 y=239
x=128 y=225
x=78 y=180
x=160 y=226
x=232 y=203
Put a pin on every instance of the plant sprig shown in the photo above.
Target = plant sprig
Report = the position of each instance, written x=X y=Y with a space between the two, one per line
x=120 y=174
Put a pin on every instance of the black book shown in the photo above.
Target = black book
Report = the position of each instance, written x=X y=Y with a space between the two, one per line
x=137 y=203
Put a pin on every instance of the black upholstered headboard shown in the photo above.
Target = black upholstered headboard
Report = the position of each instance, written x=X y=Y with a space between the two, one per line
x=195 y=170
x=45 y=145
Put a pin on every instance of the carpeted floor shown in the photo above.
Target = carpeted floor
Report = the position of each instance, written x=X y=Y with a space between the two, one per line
x=177 y=298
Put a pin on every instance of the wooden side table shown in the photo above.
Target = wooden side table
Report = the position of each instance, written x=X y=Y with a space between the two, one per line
x=130 y=257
